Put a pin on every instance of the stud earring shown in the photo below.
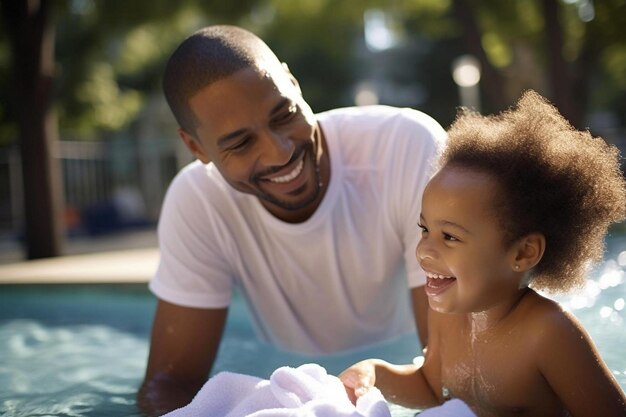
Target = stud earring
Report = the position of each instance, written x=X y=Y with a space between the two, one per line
x=516 y=267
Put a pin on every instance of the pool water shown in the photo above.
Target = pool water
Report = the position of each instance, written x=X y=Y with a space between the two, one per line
x=81 y=350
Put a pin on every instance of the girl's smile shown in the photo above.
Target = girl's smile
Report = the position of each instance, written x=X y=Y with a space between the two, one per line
x=436 y=283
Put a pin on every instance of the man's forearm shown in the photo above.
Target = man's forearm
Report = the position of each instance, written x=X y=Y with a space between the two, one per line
x=161 y=395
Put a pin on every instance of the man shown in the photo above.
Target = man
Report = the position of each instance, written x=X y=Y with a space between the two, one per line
x=311 y=216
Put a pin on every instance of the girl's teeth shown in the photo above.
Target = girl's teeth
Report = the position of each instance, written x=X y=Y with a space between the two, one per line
x=437 y=276
x=293 y=174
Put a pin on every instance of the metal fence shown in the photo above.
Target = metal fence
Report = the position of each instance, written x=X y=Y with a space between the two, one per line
x=128 y=178
x=10 y=189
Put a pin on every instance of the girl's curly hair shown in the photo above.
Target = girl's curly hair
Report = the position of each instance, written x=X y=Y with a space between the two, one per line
x=553 y=179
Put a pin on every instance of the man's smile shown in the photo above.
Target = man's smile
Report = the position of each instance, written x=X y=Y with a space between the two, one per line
x=289 y=176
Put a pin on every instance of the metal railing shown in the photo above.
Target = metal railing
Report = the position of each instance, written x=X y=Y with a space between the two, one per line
x=96 y=174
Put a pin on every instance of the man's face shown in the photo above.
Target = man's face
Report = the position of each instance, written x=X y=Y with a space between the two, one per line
x=263 y=138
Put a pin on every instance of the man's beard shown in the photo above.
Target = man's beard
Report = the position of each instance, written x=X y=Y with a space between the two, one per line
x=313 y=194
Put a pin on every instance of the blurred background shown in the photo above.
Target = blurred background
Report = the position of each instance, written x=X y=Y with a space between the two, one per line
x=88 y=145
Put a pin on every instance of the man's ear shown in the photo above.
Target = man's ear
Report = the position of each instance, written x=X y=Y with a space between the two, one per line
x=528 y=251
x=291 y=77
x=193 y=145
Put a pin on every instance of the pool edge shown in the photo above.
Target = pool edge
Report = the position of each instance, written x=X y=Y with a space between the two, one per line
x=124 y=266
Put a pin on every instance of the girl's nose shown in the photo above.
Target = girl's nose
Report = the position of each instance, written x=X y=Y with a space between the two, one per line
x=424 y=250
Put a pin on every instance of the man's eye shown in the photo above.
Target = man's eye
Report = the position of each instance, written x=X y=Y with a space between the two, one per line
x=241 y=145
x=286 y=116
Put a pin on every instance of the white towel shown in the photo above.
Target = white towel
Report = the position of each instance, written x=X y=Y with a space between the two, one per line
x=306 y=391
x=451 y=408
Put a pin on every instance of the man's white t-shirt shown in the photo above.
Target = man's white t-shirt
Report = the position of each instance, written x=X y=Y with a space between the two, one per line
x=335 y=282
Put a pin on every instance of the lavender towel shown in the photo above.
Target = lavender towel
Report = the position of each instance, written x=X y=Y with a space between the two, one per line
x=306 y=391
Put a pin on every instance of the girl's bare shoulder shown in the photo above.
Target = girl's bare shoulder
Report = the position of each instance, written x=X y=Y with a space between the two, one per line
x=546 y=320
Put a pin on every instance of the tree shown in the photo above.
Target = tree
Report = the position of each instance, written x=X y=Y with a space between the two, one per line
x=30 y=28
x=31 y=36
x=110 y=54
x=566 y=44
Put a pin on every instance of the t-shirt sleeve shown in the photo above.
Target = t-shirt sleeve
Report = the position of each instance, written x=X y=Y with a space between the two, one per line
x=193 y=270
x=422 y=142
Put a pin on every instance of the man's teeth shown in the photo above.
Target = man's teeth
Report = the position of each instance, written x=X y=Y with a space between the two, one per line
x=293 y=174
x=436 y=276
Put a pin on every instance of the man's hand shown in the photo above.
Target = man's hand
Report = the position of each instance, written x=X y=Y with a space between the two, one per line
x=182 y=351
x=162 y=394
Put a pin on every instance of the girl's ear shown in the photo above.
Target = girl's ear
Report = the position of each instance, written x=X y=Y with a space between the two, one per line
x=193 y=145
x=528 y=251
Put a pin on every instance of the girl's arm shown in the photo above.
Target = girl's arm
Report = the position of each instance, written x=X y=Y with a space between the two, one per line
x=410 y=385
x=570 y=362
x=404 y=385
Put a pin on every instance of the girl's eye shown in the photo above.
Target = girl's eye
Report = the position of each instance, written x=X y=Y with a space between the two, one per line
x=450 y=238
x=424 y=229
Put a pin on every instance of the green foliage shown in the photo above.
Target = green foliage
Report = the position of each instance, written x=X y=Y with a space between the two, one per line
x=316 y=38
x=110 y=57
x=614 y=59
x=110 y=54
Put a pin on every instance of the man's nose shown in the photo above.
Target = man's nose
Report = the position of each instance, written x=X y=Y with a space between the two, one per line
x=277 y=148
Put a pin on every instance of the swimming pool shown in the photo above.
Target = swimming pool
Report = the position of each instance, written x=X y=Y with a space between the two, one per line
x=80 y=350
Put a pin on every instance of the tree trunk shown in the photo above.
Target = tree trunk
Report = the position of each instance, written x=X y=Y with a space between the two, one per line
x=491 y=80
x=32 y=42
x=559 y=72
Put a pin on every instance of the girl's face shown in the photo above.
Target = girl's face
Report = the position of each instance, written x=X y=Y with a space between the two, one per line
x=468 y=268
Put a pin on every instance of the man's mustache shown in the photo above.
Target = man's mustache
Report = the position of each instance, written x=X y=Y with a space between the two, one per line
x=271 y=170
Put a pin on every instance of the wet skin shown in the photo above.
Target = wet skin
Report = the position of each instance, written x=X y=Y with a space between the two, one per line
x=264 y=139
x=492 y=341
x=495 y=343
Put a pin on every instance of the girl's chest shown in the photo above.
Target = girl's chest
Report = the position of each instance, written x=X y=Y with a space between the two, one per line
x=496 y=375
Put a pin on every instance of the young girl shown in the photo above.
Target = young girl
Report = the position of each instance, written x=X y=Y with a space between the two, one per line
x=521 y=200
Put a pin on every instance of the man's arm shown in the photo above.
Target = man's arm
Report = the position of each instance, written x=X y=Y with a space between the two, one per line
x=182 y=351
x=420 y=310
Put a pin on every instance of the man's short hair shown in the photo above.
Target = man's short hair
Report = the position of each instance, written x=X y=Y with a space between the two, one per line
x=208 y=55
